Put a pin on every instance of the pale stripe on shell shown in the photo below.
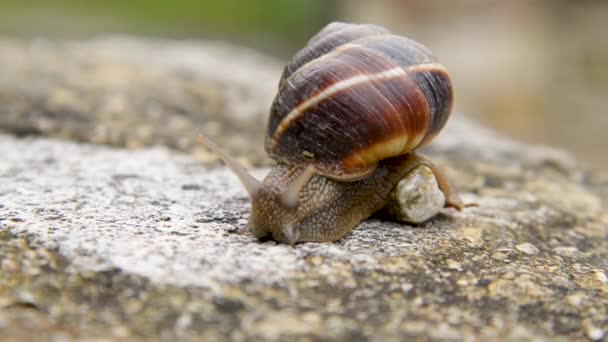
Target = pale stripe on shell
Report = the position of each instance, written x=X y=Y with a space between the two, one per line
x=354 y=44
x=299 y=110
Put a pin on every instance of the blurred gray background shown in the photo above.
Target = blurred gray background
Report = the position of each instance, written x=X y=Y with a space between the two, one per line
x=534 y=70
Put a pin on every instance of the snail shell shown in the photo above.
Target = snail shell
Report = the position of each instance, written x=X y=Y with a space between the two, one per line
x=351 y=108
x=356 y=95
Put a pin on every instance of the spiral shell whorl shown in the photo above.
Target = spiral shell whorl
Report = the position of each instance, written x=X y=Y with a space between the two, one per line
x=329 y=38
x=353 y=96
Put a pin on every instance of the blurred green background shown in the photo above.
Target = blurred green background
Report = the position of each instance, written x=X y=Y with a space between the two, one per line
x=274 y=25
x=534 y=70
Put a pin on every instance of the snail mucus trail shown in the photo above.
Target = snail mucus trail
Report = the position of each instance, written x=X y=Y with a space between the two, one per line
x=352 y=107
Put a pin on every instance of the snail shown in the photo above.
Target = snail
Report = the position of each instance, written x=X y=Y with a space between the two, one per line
x=352 y=107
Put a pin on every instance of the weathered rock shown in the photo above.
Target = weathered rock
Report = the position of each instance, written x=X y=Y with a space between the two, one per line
x=147 y=226
x=134 y=93
x=115 y=243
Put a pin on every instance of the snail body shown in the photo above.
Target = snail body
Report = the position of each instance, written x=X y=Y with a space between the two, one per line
x=352 y=107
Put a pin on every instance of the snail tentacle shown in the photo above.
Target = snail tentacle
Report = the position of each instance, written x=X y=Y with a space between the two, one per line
x=251 y=184
x=289 y=196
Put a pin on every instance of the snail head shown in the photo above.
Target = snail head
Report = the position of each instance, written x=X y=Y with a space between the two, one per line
x=280 y=205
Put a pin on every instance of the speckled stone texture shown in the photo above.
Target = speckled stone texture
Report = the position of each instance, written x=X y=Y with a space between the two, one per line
x=102 y=242
x=126 y=92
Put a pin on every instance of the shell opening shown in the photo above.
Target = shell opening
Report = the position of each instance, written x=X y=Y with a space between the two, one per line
x=251 y=184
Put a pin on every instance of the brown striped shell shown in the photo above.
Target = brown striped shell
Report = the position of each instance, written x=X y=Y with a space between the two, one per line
x=355 y=95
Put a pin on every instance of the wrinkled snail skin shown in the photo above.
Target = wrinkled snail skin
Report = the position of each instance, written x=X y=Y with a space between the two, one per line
x=328 y=209
x=351 y=108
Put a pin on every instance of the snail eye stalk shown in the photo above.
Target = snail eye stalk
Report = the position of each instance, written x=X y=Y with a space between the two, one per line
x=251 y=184
x=289 y=196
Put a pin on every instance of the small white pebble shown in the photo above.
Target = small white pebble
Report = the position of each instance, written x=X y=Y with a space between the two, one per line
x=501 y=254
x=406 y=287
x=418 y=301
x=595 y=334
x=527 y=248
x=417 y=197
x=183 y=321
x=454 y=265
x=575 y=299
x=462 y=282
x=567 y=251
x=601 y=276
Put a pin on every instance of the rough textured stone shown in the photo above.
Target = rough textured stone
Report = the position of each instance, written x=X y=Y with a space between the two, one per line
x=417 y=197
x=133 y=93
x=98 y=242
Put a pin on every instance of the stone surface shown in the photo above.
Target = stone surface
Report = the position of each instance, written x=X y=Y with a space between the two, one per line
x=134 y=93
x=417 y=197
x=124 y=244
